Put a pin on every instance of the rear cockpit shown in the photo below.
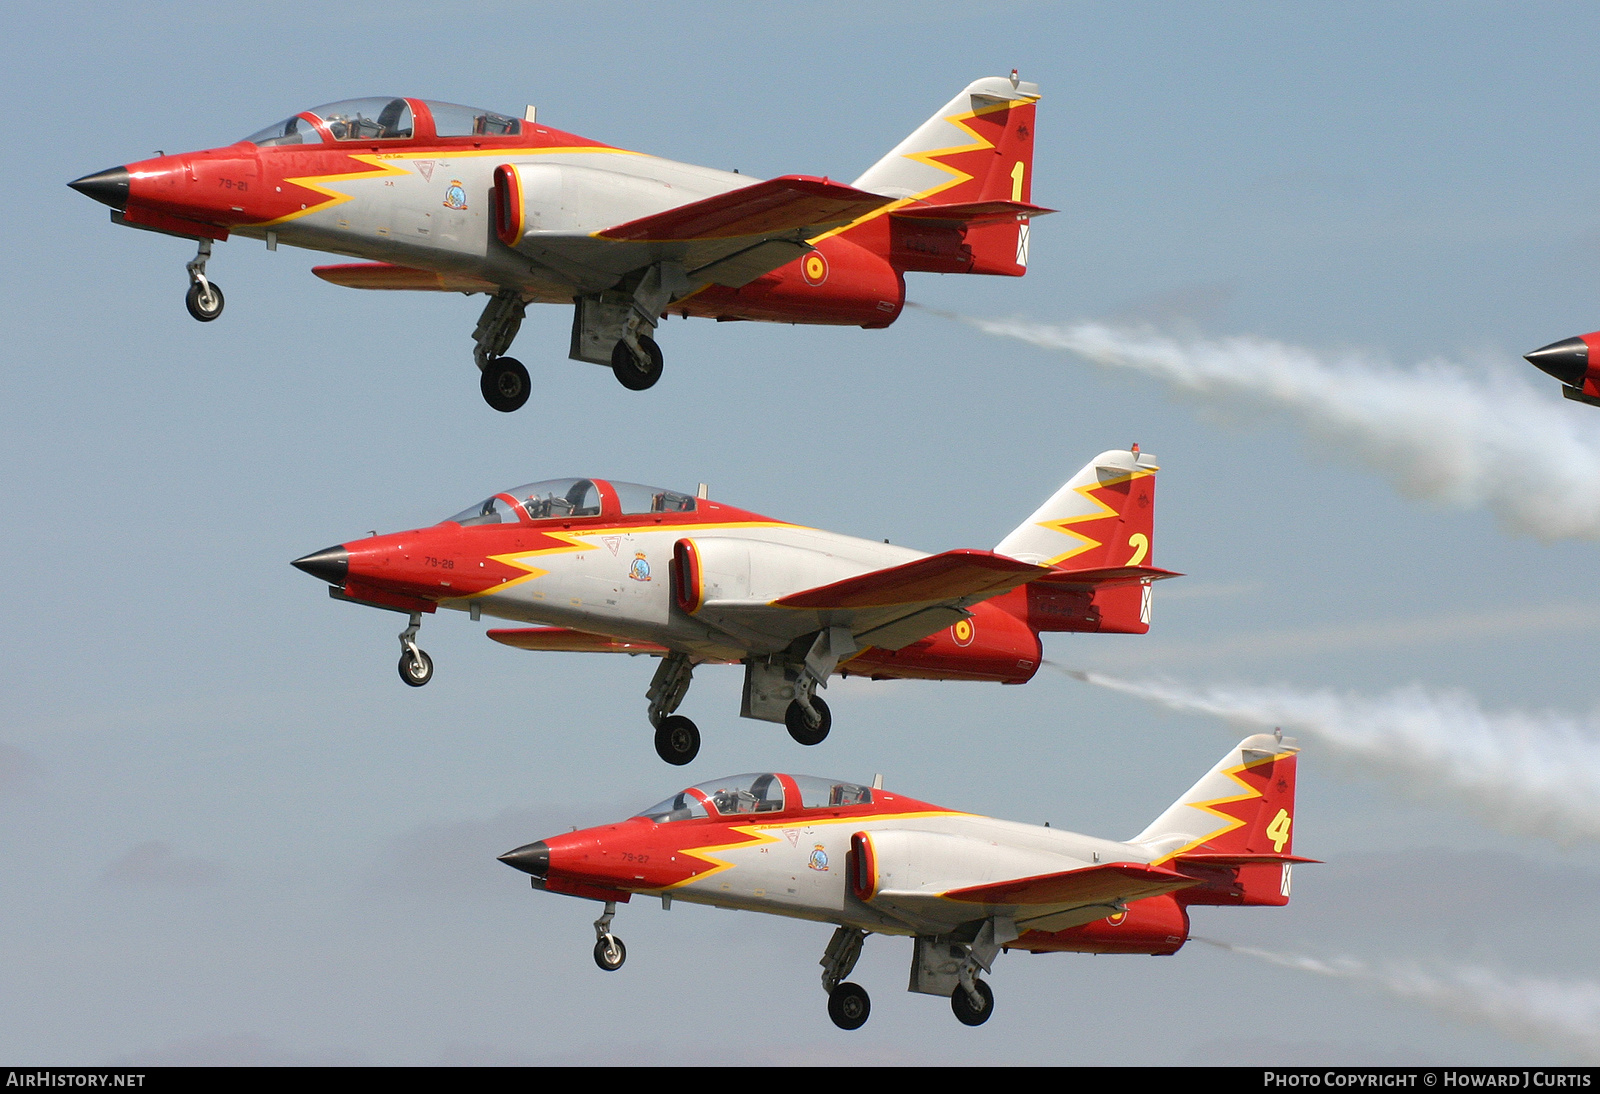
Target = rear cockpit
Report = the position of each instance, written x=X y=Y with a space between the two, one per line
x=386 y=119
x=570 y=499
x=756 y=794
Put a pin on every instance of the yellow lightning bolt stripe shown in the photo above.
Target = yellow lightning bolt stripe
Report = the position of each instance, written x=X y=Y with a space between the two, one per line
x=1207 y=807
x=1085 y=543
x=383 y=168
x=576 y=541
x=931 y=159
x=762 y=834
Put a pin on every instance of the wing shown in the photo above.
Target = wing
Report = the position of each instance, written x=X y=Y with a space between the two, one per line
x=726 y=239
x=382 y=275
x=1103 y=884
x=562 y=640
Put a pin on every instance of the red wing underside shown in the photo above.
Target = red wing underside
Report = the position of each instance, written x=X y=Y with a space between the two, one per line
x=780 y=206
x=1091 y=885
x=1106 y=576
x=381 y=275
x=952 y=575
x=561 y=640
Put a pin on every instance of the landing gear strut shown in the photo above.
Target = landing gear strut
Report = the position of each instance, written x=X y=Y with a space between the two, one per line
x=204 y=299
x=609 y=952
x=505 y=384
x=848 y=1004
x=677 y=738
x=416 y=667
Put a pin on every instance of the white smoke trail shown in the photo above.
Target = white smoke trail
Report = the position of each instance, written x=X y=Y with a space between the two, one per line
x=1438 y=431
x=1532 y=774
x=1560 y=1014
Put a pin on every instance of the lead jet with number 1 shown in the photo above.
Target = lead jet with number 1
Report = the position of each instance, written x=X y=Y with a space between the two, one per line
x=615 y=567
x=445 y=198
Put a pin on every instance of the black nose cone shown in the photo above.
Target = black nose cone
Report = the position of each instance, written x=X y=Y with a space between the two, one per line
x=332 y=564
x=1567 y=360
x=530 y=858
x=109 y=187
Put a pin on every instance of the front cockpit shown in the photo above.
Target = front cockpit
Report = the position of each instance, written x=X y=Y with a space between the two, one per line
x=573 y=499
x=386 y=119
x=755 y=795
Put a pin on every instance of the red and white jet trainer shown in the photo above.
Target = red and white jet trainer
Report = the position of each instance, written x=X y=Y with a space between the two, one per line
x=964 y=886
x=615 y=567
x=449 y=198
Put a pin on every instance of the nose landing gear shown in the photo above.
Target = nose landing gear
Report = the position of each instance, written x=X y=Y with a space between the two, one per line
x=416 y=667
x=609 y=952
x=848 y=1004
x=505 y=384
x=677 y=738
x=204 y=299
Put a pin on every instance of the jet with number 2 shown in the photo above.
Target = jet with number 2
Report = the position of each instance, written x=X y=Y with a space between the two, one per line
x=965 y=887
x=446 y=198
x=615 y=567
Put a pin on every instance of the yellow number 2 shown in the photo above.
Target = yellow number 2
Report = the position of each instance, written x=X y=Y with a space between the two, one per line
x=1278 y=830
x=1141 y=547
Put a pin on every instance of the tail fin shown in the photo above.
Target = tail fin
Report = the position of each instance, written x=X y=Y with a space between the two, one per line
x=965 y=183
x=1102 y=517
x=1234 y=829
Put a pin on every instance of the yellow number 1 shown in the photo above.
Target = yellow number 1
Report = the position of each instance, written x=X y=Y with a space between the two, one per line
x=1016 y=182
x=1278 y=830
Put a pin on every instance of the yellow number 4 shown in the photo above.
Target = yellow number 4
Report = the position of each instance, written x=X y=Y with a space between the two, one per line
x=1278 y=830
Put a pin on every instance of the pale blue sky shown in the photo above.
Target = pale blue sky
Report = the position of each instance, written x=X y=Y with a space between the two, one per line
x=1410 y=181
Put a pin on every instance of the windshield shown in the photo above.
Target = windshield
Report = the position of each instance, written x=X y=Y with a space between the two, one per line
x=539 y=500
x=366 y=119
x=295 y=130
x=733 y=796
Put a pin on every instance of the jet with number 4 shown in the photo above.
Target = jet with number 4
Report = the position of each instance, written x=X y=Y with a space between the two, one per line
x=615 y=567
x=445 y=198
x=965 y=887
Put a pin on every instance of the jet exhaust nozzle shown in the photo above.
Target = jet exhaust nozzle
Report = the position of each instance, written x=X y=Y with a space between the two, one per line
x=331 y=564
x=530 y=858
x=109 y=187
x=1566 y=360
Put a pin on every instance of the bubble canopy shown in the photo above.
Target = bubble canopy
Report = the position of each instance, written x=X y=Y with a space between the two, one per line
x=569 y=499
x=756 y=793
x=384 y=119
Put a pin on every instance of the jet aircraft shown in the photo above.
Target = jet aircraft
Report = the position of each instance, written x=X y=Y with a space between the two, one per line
x=965 y=887
x=447 y=198
x=1575 y=362
x=616 y=567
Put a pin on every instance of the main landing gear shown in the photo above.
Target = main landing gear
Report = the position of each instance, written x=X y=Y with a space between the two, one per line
x=848 y=1004
x=677 y=738
x=416 y=667
x=204 y=299
x=609 y=952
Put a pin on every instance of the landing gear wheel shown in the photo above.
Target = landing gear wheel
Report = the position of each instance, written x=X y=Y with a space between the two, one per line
x=505 y=384
x=610 y=953
x=416 y=669
x=966 y=1013
x=677 y=740
x=801 y=729
x=849 y=1006
x=632 y=373
x=204 y=303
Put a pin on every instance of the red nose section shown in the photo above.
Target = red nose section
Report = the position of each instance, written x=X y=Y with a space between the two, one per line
x=200 y=194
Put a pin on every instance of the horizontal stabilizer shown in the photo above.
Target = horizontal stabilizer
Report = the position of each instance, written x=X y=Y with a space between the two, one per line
x=1106 y=577
x=562 y=640
x=381 y=275
x=949 y=576
x=1106 y=883
x=972 y=212
x=788 y=205
x=1242 y=860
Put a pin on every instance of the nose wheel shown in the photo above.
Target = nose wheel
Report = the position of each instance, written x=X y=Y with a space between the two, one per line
x=505 y=384
x=204 y=299
x=677 y=740
x=609 y=952
x=416 y=667
x=849 y=1006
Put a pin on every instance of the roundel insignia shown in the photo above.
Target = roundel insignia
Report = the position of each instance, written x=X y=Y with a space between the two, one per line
x=962 y=632
x=1116 y=920
x=815 y=268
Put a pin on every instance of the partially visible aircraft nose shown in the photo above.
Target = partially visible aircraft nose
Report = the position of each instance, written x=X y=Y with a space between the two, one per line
x=109 y=187
x=1567 y=360
x=530 y=858
x=331 y=564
